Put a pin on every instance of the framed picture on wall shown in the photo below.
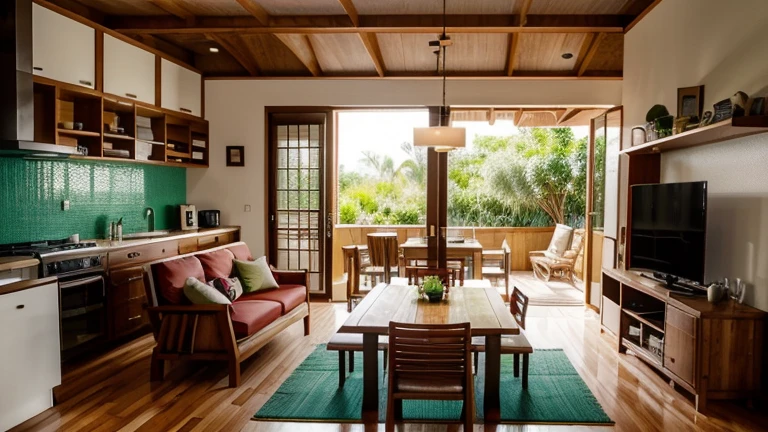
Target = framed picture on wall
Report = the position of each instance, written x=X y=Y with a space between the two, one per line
x=235 y=156
x=690 y=101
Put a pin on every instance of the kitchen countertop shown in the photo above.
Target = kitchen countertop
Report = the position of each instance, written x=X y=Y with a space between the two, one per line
x=173 y=235
x=17 y=262
x=26 y=284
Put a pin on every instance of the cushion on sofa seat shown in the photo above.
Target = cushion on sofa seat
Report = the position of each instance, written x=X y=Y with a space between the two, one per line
x=241 y=252
x=171 y=276
x=217 y=264
x=288 y=296
x=248 y=317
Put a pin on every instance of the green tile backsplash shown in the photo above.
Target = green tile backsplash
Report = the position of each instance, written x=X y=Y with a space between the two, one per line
x=31 y=193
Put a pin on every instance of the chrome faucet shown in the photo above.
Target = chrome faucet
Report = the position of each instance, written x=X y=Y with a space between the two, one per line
x=150 y=215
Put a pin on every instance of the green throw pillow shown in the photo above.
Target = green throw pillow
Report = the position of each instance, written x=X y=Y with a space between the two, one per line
x=200 y=293
x=255 y=275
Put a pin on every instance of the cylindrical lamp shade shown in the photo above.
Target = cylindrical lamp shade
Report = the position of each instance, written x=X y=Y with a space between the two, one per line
x=442 y=138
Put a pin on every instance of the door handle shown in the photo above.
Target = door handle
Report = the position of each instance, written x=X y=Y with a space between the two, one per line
x=87 y=83
x=329 y=226
x=37 y=68
x=131 y=95
x=186 y=110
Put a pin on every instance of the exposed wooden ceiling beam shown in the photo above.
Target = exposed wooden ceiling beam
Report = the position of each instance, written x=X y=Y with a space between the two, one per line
x=372 y=46
x=514 y=40
x=76 y=7
x=174 y=8
x=642 y=15
x=373 y=24
x=585 y=46
x=590 y=54
x=255 y=9
x=301 y=47
x=526 y=6
x=351 y=11
x=245 y=59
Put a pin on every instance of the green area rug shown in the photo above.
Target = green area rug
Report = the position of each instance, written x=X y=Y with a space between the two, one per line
x=556 y=394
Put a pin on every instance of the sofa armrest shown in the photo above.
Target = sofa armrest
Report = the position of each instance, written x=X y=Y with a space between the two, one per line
x=294 y=277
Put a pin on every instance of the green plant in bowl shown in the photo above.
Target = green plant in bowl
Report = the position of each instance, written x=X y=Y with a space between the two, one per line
x=433 y=288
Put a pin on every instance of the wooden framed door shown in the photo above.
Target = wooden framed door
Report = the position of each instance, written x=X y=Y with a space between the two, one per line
x=602 y=201
x=300 y=217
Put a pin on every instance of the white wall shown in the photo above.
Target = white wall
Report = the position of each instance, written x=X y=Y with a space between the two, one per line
x=235 y=110
x=724 y=46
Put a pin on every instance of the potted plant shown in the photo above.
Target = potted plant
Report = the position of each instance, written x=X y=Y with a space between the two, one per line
x=433 y=288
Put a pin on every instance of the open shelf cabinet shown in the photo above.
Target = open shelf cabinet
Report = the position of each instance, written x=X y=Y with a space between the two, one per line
x=117 y=129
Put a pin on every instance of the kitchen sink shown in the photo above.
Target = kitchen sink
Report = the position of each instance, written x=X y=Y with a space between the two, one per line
x=146 y=235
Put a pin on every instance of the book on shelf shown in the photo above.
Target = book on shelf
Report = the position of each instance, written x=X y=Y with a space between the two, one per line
x=145 y=133
x=144 y=122
x=197 y=155
x=198 y=143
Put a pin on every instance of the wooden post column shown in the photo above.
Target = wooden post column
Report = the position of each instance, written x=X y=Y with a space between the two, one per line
x=437 y=197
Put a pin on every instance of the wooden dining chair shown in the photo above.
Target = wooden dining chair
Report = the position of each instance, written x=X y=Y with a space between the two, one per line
x=516 y=345
x=430 y=362
x=349 y=344
x=416 y=275
x=496 y=265
x=382 y=256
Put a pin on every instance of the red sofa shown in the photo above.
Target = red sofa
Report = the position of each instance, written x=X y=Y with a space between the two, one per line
x=230 y=333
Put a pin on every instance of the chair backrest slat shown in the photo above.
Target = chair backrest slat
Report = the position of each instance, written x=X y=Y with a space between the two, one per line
x=382 y=249
x=433 y=349
x=518 y=306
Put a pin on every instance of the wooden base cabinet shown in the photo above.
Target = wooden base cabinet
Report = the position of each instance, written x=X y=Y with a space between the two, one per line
x=30 y=363
x=126 y=299
x=713 y=351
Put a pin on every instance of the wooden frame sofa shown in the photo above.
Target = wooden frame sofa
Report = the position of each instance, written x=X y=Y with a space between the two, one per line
x=218 y=332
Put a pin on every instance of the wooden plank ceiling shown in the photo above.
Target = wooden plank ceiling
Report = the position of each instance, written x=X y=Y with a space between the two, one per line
x=375 y=38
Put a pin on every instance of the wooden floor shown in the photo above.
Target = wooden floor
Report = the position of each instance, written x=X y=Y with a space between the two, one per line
x=112 y=392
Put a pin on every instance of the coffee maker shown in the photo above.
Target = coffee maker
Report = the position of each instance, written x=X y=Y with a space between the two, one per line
x=188 y=217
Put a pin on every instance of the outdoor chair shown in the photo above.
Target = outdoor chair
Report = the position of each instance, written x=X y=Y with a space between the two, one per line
x=430 y=362
x=560 y=257
x=383 y=257
x=496 y=265
x=516 y=344
x=416 y=275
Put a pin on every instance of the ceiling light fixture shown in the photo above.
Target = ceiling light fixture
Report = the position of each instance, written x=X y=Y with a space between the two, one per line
x=567 y=56
x=441 y=138
x=213 y=49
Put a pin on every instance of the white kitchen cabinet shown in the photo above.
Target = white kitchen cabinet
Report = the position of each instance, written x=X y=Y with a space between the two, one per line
x=180 y=88
x=62 y=49
x=30 y=355
x=129 y=71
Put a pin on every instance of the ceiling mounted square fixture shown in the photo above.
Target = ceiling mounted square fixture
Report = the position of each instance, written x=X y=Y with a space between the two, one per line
x=442 y=138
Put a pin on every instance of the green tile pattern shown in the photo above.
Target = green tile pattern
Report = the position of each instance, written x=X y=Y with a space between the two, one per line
x=31 y=193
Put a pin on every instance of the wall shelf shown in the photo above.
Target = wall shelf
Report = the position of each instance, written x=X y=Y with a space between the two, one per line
x=74 y=132
x=722 y=131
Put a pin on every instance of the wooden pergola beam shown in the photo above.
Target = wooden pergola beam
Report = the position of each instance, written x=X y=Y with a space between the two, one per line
x=351 y=11
x=585 y=47
x=246 y=60
x=590 y=54
x=372 y=24
x=301 y=47
x=569 y=114
x=174 y=8
x=514 y=41
x=524 y=12
x=372 y=46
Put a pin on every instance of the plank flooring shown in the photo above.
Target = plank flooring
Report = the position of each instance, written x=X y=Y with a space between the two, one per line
x=112 y=392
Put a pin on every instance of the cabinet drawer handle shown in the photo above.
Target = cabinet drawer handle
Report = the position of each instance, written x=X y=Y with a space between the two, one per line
x=134 y=318
x=134 y=255
x=671 y=360
x=131 y=95
x=186 y=110
x=134 y=279
x=84 y=82
x=38 y=68
x=20 y=307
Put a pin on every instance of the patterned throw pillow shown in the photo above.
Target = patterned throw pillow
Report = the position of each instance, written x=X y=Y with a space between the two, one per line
x=230 y=287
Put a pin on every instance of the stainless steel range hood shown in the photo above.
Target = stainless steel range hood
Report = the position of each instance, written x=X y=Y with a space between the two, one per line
x=17 y=105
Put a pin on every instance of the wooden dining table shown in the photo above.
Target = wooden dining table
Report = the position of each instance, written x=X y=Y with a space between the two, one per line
x=417 y=249
x=483 y=308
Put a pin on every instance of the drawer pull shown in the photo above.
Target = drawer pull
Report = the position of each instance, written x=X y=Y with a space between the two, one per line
x=20 y=307
x=131 y=95
x=134 y=318
x=671 y=360
x=134 y=255
x=186 y=110
x=84 y=82
x=38 y=68
x=134 y=279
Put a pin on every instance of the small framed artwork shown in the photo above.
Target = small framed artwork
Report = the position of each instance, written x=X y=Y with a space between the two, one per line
x=235 y=156
x=690 y=101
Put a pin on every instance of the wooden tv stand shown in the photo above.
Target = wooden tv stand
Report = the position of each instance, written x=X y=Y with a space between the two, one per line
x=712 y=350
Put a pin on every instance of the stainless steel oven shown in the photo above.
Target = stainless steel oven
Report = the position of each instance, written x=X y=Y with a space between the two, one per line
x=83 y=309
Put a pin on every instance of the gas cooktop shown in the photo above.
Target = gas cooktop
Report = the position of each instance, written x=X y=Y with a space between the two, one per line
x=43 y=247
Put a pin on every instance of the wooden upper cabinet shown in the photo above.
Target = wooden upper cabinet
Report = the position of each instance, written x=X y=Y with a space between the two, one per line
x=63 y=49
x=180 y=88
x=129 y=71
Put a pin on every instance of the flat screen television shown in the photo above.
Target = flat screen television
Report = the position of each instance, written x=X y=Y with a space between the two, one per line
x=668 y=230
